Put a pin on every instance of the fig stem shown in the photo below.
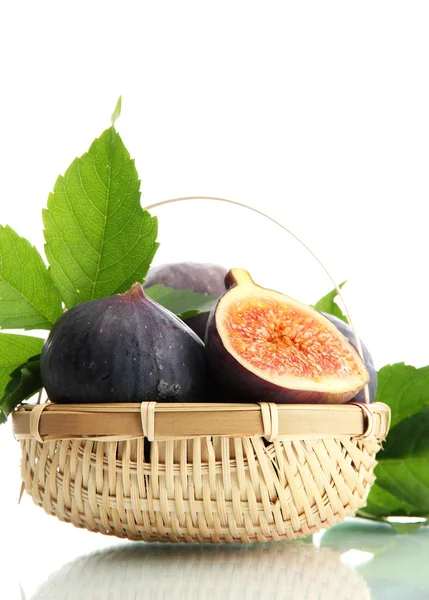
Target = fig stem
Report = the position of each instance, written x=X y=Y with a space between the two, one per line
x=238 y=277
x=135 y=291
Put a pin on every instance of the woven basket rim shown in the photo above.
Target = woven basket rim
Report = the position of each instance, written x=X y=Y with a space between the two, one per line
x=174 y=421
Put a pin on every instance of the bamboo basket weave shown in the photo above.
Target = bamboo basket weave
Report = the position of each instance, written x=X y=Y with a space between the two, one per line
x=252 y=473
x=201 y=472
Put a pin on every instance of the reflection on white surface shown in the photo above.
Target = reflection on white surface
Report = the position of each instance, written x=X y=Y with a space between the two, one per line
x=285 y=570
x=357 y=560
x=356 y=557
x=399 y=569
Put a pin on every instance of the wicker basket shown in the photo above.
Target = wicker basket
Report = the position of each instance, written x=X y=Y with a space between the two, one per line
x=201 y=472
x=211 y=473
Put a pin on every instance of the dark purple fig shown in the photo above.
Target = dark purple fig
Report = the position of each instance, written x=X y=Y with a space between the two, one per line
x=264 y=346
x=198 y=324
x=367 y=358
x=123 y=348
x=204 y=278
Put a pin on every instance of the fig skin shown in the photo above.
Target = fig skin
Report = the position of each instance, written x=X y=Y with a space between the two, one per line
x=238 y=383
x=204 y=278
x=123 y=348
x=367 y=359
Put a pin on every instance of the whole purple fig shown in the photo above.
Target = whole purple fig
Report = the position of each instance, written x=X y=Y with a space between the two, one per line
x=123 y=348
x=205 y=278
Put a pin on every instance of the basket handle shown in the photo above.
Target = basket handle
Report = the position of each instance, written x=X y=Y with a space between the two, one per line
x=262 y=214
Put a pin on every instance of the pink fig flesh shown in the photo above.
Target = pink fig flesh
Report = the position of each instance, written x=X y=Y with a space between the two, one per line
x=265 y=346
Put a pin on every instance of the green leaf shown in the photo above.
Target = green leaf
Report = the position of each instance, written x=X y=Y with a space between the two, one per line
x=382 y=503
x=404 y=388
x=406 y=528
x=403 y=468
x=25 y=382
x=184 y=303
x=328 y=305
x=117 y=112
x=15 y=351
x=402 y=485
x=28 y=297
x=99 y=240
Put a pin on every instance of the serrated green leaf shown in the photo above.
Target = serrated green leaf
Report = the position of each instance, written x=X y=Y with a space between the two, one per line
x=183 y=303
x=15 y=351
x=382 y=503
x=99 y=240
x=24 y=382
x=28 y=297
x=409 y=439
x=404 y=388
x=328 y=305
x=403 y=464
x=402 y=485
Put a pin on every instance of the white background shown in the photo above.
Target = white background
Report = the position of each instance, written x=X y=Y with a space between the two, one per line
x=314 y=112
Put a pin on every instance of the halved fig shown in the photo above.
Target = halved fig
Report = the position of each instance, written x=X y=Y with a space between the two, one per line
x=367 y=358
x=265 y=346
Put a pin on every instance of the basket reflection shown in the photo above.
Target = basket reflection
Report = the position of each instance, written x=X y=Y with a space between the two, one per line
x=285 y=570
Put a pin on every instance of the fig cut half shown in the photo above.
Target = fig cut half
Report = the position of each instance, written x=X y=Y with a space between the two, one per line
x=264 y=345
